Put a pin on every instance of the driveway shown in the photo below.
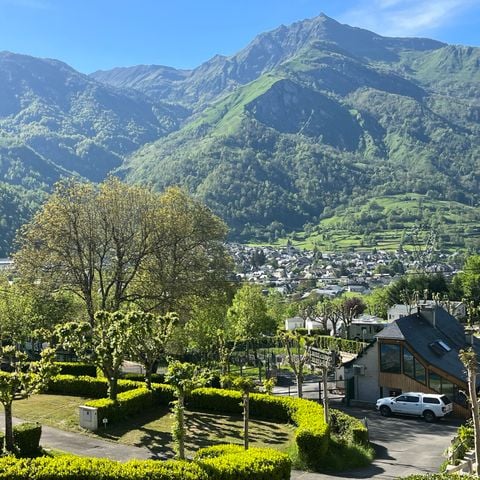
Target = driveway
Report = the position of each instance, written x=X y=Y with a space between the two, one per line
x=404 y=446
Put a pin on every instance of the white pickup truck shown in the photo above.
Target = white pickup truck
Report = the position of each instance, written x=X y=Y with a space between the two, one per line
x=430 y=406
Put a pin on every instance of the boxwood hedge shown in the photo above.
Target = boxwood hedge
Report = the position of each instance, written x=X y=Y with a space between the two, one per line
x=77 y=369
x=219 y=463
x=232 y=462
x=85 y=386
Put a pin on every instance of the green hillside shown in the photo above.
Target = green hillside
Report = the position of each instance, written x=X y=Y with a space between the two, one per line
x=393 y=222
x=297 y=132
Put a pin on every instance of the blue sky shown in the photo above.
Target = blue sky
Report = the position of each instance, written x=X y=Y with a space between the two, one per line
x=101 y=34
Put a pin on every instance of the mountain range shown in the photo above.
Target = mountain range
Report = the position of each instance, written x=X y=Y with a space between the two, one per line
x=306 y=122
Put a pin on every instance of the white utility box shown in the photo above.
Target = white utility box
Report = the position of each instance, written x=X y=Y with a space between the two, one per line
x=88 y=417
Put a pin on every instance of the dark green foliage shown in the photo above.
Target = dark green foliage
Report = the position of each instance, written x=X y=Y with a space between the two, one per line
x=26 y=438
x=89 y=387
x=2 y=442
x=78 y=369
x=349 y=429
x=138 y=377
x=232 y=462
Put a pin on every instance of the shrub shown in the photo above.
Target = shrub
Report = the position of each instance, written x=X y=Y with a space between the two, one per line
x=26 y=438
x=78 y=468
x=84 y=386
x=2 y=442
x=128 y=403
x=232 y=462
x=138 y=377
x=77 y=369
x=348 y=428
x=131 y=402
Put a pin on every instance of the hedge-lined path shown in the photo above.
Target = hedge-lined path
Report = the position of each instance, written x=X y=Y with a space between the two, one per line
x=86 y=445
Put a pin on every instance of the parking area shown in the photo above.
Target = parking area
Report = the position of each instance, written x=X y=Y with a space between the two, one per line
x=404 y=445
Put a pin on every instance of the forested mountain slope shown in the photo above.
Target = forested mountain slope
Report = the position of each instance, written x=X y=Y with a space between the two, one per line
x=306 y=121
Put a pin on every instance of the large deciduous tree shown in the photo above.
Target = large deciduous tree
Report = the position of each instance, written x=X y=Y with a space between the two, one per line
x=115 y=243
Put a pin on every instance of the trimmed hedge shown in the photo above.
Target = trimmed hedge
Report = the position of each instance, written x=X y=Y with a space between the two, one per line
x=138 y=377
x=78 y=369
x=312 y=435
x=131 y=402
x=215 y=463
x=232 y=462
x=84 y=386
x=348 y=428
x=69 y=467
x=26 y=438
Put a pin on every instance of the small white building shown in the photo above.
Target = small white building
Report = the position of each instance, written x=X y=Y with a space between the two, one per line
x=294 y=322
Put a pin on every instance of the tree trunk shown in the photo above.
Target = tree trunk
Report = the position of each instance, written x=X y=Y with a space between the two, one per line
x=476 y=422
x=148 y=374
x=326 y=414
x=8 y=427
x=112 y=387
x=181 y=424
x=246 y=414
x=300 y=384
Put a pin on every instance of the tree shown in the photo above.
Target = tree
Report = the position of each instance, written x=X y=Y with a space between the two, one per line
x=345 y=309
x=23 y=379
x=469 y=358
x=26 y=309
x=188 y=258
x=105 y=344
x=114 y=243
x=184 y=377
x=246 y=386
x=469 y=279
x=149 y=336
x=299 y=349
x=248 y=314
x=210 y=332
x=378 y=302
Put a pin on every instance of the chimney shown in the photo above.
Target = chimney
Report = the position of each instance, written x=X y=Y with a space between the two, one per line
x=429 y=314
x=469 y=335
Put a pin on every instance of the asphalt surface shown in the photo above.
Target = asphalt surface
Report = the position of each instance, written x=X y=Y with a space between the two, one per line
x=403 y=445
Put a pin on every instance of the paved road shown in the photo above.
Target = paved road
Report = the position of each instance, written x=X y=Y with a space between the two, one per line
x=403 y=445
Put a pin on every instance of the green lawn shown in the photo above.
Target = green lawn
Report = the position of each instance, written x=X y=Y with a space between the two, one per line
x=152 y=428
x=60 y=411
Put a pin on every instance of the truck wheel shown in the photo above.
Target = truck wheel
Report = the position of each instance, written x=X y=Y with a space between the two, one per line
x=429 y=416
x=385 y=411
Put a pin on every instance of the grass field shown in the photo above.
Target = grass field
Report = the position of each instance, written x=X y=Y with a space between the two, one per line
x=388 y=222
x=152 y=428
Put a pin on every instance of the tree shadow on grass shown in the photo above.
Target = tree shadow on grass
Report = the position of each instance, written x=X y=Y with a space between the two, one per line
x=152 y=430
